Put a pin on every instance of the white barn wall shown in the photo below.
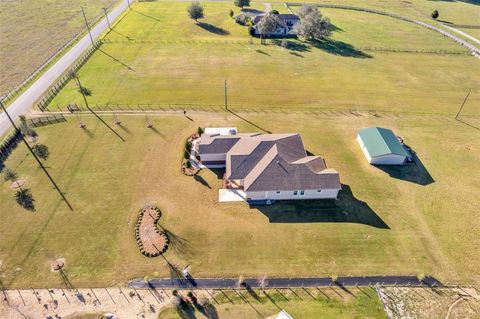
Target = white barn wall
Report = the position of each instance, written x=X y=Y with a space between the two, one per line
x=364 y=149
x=309 y=194
x=388 y=159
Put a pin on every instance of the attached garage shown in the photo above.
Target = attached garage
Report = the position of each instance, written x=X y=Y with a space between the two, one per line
x=381 y=147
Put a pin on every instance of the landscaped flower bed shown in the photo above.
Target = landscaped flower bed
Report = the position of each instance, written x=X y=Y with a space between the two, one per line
x=150 y=239
x=187 y=167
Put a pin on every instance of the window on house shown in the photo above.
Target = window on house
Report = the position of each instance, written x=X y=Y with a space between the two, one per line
x=278 y=192
x=319 y=190
x=302 y=192
x=295 y=192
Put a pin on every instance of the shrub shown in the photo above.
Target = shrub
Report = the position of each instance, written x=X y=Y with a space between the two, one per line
x=435 y=14
x=9 y=174
x=242 y=3
x=274 y=12
x=85 y=91
x=188 y=145
x=186 y=154
x=200 y=131
x=241 y=19
x=231 y=13
x=188 y=164
x=195 y=10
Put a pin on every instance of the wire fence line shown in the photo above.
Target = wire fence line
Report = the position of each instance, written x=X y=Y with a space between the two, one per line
x=473 y=49
x=11 y=94
x=61 y=82
x=237 y=108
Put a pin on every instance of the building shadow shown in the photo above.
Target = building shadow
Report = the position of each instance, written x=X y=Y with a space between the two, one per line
x=212 y=28
x=339 y=48
x=345 y=209
x=411 y=172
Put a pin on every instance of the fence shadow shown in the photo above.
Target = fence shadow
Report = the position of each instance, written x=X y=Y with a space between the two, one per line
x=411 y=172
x=346 y=209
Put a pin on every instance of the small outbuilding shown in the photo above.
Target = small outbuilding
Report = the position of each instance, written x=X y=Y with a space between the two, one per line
x=381 y=147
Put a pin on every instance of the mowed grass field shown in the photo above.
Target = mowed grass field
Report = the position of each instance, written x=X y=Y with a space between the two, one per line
x=420 y=220
x=32 y=30
x=158 y=56
x=299 y=303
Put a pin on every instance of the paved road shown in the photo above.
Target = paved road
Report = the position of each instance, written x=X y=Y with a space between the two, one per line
x=27 y=99
x=230 y=283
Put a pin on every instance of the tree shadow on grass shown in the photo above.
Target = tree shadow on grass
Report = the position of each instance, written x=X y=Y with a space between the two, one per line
x=339 y=48
x=177 y=243
x=212 y=28
x=346 y=209
x=411 y=172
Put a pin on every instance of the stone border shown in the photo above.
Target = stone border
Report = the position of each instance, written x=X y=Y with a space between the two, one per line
x=158 y=231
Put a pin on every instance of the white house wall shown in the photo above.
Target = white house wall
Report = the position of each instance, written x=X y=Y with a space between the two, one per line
x=283 y=195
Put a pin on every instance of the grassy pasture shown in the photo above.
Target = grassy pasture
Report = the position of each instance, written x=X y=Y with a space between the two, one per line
x=176 y=61
x=32 y=30
x=299 y=303
x=381 y=225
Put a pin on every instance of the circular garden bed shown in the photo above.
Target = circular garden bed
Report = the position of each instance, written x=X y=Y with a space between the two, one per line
x=151 y=240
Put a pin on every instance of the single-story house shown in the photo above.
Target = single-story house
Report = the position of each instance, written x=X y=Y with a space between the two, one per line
x=269 y=166
x=288 y=23
x=381 y=147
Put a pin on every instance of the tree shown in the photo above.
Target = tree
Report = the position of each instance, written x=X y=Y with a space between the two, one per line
x=241 y=19
x=25 y=199
x=41 y=151
x=435 y=14
x=195 y=10
x=312 y=24
x=268 y=24
x=242 y=3
x=231 y=13
x=25 y=129
x=305 y=10
x=9 y=174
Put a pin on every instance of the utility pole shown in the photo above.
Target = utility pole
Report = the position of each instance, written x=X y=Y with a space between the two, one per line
x=106 y=17
x=463 y=104
x=88 y=27
x=225 y=95
x=35 y=156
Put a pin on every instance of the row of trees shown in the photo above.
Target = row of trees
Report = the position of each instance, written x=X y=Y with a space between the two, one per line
x=195 y=10
x=24 y=196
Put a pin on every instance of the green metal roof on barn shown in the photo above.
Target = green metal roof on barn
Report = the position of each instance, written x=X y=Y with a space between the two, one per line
x=381 y=141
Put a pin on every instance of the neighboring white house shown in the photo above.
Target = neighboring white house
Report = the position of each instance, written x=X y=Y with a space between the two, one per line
x=381 y=147
x=288 y=23
x=269 y=166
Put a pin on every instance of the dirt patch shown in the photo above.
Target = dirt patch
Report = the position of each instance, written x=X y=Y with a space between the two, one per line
x=150 y=239
x=18 y=184
x=57 y=265
x=424 y=302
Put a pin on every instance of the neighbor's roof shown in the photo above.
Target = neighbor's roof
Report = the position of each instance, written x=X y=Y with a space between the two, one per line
x=381 y=141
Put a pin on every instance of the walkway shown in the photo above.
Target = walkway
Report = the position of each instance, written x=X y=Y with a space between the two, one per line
x=231 y=283
x=462 y=33
x=27 y=99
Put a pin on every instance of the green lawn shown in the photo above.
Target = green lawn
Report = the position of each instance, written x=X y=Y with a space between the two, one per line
x=299 y=303
x=176 y=61
x=32 y=30
x=381 y=225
